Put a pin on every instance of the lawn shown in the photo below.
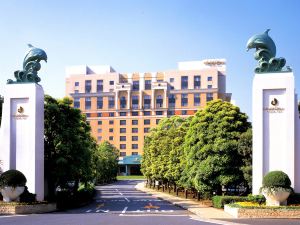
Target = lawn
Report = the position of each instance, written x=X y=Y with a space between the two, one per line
x=131 y=177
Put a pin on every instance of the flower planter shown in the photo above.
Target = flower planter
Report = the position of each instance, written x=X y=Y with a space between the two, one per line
x=11 y=193
x=275 y=197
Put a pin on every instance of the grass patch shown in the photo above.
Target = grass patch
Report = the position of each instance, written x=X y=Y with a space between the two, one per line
x=131 y=177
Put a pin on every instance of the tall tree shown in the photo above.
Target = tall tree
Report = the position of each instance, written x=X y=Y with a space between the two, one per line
x=245 y=150
x=106 y=162
x=68 y=144
x=211 y=147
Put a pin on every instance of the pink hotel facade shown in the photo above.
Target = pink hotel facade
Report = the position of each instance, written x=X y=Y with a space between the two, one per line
x=122 y=107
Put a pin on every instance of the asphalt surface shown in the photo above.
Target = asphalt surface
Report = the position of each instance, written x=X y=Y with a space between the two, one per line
x=114 y=204
x=120 y=203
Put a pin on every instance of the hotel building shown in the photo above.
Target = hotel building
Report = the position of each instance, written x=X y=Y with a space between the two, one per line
x=122 y=107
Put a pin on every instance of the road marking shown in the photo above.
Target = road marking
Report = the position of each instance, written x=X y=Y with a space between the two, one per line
x=11 y=216
x=149 y=214
x=150 y=206
x=119 y=192
x=97 y=210
x=88 y=211
x=127 y=199
x=100 y=205
x=124 y=210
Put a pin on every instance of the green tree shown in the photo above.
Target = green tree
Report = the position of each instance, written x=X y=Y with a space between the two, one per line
x=211 y=148
x=163 y=150
x=106 y=162
x=245 y=150
x=68 y=145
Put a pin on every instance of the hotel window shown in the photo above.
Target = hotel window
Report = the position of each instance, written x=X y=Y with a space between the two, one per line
x=134 y=138
x=171 y=79
x=111 y=82
x=184 y=82
x=111 y=138
x=77 y=103
x=134 y=153
x=76 y=84
x=88 y=103
x=111 y=102
x=76 y=92
x=134 y=113
x=122 y=138
x=184 y=112
x=209 y=78
x=171 y=87
x=122 y=130
x=197 y=82
x=172 y=100
x=99 y=114
x=134 y=146
x=147 y=113
x=123 y=153
x=135 y=102
x=160 y=80
x=209 y=97
x=157 y=121
x=122 y=146
x=147 y=84
x=99 y=85
x=134 y=130
x=209 y=86
x=111 y=114
x=88 y=86
x=147 y=102
x=123 y=102
x=196 y=99
x=171 y=113
x=123 y=113
x=88 y=115
x=159 y=113
x=146 y=129
x=99 y=102
x=136 y=85
x=111 y=122
x=146 y=122
x=99 y=130
x=184 y=99
x=111 y=130
x=135 y=122
x=122 y=122
x=99 y=138
x=159 y=101
x=99 y=122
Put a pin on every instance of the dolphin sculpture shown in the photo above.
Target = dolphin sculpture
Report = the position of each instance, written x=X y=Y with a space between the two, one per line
x=34 y=54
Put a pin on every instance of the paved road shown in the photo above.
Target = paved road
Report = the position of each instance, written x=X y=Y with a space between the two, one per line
x=119 y=204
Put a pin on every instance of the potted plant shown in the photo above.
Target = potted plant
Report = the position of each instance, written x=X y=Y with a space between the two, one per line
x=276 y=188
x=12 y=185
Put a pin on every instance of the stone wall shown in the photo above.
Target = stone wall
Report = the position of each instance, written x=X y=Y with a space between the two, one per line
x=27 y=209
x=262 y=213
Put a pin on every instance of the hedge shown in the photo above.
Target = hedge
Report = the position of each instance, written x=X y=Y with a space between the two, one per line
x=220 y=201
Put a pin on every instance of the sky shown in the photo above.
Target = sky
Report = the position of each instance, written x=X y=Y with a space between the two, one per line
x=146 y=36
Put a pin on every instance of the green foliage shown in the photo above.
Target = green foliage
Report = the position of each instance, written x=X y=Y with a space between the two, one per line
x=294 y=198
x=69 y=146
x=211 y=148
x=163 y=150
x=12 y=178
x=245 y=150
x=106 y=163
x=276 y=179
x=220 y=201
x=27 y=197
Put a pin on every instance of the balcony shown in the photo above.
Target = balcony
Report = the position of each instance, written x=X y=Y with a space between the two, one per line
x=123 y=87
x=160 y=85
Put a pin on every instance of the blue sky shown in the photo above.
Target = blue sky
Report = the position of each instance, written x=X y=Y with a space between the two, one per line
x=145 y=36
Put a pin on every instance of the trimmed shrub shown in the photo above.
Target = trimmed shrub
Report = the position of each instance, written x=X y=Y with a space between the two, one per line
x=27 y=197
x=12 y=178
x=220 y=201
x=276 y=179
x=294 y=198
